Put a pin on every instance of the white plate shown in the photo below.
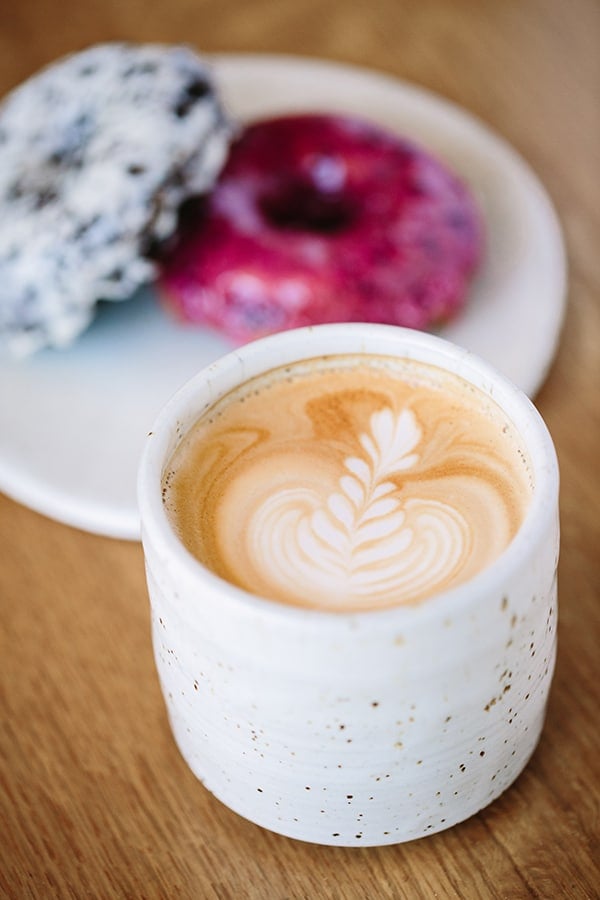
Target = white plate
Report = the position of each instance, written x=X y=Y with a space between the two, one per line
x=72 y=423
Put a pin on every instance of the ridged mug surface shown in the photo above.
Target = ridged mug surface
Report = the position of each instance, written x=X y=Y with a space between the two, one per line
x=364 y=728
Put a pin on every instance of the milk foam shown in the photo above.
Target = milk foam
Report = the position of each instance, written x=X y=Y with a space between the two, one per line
x=354 y=488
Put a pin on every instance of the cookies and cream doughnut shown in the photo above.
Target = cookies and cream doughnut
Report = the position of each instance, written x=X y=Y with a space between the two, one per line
x=319 y=218
x=97 y=151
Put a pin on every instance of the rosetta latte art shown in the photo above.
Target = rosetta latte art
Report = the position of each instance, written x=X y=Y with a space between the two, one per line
x=361 y=542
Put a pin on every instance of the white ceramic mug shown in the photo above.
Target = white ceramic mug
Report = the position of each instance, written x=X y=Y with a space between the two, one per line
x=365 y=728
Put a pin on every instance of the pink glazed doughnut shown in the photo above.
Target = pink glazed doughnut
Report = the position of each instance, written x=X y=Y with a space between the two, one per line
x=320 y=218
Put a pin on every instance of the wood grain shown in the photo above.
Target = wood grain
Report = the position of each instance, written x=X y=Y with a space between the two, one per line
x=95 y=800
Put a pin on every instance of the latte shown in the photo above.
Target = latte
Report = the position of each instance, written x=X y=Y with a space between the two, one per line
x=349 y=483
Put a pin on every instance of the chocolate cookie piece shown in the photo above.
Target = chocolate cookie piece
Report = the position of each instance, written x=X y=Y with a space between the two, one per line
x=97 y=152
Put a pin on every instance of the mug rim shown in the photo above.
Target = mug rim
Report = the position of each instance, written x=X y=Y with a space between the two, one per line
x=296 y=345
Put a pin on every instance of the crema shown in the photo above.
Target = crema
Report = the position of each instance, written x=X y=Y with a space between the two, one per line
x=349 y=483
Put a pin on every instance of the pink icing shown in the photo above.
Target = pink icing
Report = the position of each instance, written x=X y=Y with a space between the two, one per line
x=320 y=218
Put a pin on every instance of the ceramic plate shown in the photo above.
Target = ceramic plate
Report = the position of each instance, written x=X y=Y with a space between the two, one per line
x=72 y=423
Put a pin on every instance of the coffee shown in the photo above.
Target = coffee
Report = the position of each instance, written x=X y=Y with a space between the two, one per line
x=349 y=483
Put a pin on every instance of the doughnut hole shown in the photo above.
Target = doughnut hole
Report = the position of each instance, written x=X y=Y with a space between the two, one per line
x=316 y=197
x=299 y=207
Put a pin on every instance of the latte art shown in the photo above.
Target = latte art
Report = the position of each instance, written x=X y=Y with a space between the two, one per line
x=360 y=543
x=356 y=487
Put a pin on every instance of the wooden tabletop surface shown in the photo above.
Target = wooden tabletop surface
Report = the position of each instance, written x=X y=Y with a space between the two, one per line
x=95 y=800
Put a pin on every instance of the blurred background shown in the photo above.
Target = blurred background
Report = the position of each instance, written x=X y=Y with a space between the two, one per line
x=508 y=62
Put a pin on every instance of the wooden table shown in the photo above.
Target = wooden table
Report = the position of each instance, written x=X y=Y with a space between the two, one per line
x=95 y=799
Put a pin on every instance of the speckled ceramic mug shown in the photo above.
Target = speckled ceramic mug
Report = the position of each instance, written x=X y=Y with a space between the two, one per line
x=354 y=728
